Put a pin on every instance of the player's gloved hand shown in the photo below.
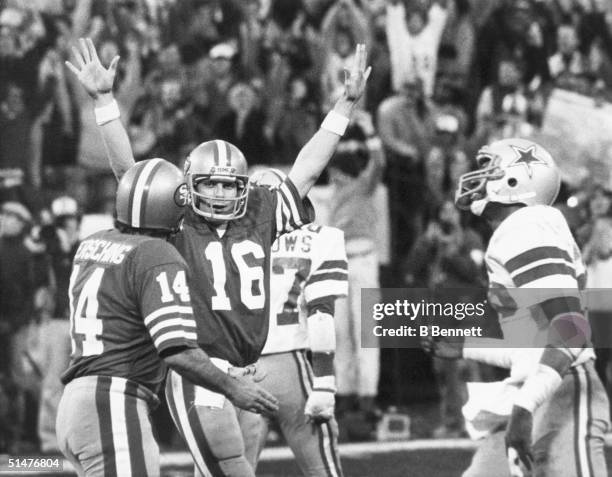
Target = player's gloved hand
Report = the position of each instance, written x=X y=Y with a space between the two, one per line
x=320 y=405
x=518 y=441
x=248 y=395
x=442 y=347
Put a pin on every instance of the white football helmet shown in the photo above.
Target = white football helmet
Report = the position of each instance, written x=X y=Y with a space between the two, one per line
x=217 y=161
x=510 y=171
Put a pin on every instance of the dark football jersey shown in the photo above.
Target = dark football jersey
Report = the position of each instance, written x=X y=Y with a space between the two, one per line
x=231 y=273
x=129 y=303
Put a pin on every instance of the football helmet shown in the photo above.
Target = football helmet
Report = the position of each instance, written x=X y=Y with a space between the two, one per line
x=217 y=161
x=151 y=195
x=510 y=171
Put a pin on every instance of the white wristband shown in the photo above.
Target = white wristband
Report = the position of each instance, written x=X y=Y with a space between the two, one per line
x=108 y=113
x=538 y=387
x=324 y=383
x=335 y=123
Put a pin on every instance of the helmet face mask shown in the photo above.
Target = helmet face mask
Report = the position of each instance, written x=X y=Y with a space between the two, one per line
x=211 y=163
x=511 y=171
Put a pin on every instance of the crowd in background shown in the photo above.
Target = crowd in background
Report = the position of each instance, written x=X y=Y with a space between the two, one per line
x=447 y=77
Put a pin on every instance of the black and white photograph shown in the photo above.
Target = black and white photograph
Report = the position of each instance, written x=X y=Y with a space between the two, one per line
x=305 y=238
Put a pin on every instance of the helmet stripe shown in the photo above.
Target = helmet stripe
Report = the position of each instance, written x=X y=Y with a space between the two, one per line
x=219 y=153
x=145 y=193
x=228 y=154
x=139 y=168
x=141 y=182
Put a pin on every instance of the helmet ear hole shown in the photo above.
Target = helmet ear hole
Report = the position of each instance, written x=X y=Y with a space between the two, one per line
x=512 y=182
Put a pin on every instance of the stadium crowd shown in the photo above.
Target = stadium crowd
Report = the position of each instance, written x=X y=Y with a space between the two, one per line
x=447 y=77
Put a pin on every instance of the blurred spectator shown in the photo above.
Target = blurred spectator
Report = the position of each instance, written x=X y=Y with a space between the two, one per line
x=169 y=123
x=457 y=46
x=344 y=26
x=447 y=151
x=355 y=172
x=16 y=307
x=568 y=67
x=448 y=256
x=15 y=134
x=339 y=58
x=413 y=35
x=244 y=125
x=505 y=108
x=61 y=239
x=512 y=31
x=379 y=83
x=406 y=126
x=221 y=79
x=297 y=123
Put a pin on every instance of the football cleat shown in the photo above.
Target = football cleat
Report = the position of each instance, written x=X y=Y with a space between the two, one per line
x=151 y=195
x=510 y=171
x=217 y=161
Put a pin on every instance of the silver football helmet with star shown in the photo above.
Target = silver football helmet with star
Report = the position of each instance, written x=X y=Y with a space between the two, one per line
x=510 y=171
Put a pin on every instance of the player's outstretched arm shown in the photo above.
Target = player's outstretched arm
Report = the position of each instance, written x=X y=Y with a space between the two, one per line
x=317 y=152
x=98 y=82
x=194 y=364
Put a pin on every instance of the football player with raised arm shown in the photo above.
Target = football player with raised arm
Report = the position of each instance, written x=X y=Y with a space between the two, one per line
x=131 y=319
x=226 y=238
x=560 y=413
x=309 y=272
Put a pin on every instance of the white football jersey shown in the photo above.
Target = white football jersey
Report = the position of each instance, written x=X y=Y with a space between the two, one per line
x=532 y=260
x=309 y=266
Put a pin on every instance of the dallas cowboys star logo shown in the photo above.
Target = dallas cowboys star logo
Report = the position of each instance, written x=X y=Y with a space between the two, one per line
x=527 y=157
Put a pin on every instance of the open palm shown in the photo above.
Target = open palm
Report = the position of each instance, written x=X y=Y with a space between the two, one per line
x=91 y=74
x=356 y=77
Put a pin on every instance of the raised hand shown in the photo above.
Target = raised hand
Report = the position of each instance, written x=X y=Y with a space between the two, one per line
x=91 y=74
x=356 y=77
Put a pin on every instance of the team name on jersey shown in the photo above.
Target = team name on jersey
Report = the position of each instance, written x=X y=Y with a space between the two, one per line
x=295 y=243
x=102 y=251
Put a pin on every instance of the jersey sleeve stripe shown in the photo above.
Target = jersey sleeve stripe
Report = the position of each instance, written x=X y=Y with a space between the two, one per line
x=339 y=275
x=291 y=204
x=167 y=310
x=170 y=322
x=172 y=329
x=560 y=305
x=183 y=335
x=536 y=254
x=342 y=264
x=542 y=271
x=325 y=288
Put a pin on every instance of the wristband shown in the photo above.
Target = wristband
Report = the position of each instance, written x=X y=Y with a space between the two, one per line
x=335 y=123
x=108 y=113
x=324 y=383
x=538 y=387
